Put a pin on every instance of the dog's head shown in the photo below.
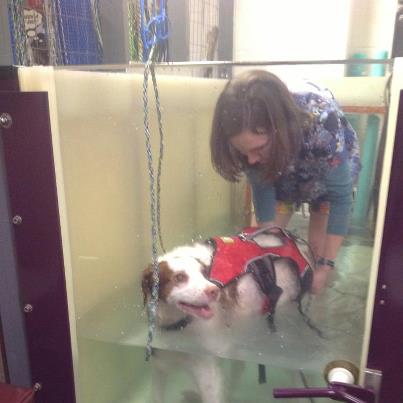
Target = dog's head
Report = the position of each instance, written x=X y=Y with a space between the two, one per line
x=183 y=282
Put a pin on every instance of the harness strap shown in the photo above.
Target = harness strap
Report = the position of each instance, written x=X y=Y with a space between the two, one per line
x=264 y=274
x=178 y=325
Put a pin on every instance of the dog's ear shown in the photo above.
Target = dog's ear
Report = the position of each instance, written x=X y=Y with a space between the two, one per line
x=147 y=283
x=165 y=277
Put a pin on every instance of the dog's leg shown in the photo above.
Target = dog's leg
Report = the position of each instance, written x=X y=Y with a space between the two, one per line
x=208 y=377
x=159 y=373
x=237 y=368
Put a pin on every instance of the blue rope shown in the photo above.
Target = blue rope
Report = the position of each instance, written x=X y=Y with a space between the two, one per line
x=155 y=30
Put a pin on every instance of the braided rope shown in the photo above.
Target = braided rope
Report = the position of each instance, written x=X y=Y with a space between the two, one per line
x=16 y=12
x=134 y=22
x=57 y=11
x=97 y=25
x=152 y=305
x=161 y=154
x=132 y=47
x=137 y=22
x=51 y=31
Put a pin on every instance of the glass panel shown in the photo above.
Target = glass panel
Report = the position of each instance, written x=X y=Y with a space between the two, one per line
x=97 y=122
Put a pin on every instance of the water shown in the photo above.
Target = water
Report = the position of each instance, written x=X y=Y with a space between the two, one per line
x=112 y=339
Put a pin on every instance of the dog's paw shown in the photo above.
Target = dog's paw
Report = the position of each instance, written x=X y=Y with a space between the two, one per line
x=190 y=396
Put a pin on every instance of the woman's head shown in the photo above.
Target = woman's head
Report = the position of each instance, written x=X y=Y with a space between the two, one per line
x=256 y=121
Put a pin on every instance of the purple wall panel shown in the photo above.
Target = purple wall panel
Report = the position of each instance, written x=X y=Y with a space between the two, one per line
x=386 y=344
x=32 y=189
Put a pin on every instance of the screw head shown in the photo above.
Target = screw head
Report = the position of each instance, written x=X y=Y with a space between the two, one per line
x=6 y=120
x=28 y=308
x=17 y=220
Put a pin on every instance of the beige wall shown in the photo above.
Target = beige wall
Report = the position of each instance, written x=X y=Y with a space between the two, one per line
x=275 y=30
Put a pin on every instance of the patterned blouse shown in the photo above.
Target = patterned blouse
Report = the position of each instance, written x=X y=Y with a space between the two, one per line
x=330 y=143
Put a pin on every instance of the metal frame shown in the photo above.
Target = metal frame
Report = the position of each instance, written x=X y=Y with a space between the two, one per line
x=123 y=67
x=33 y=210
x=14 y=346
x=17 y=369
x=385 y=350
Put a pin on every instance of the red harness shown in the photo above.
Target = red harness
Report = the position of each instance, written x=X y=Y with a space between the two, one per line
x=233 y=255
x=239 y=255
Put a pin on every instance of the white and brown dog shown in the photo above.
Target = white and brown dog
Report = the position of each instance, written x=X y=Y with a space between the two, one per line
x=211 y=285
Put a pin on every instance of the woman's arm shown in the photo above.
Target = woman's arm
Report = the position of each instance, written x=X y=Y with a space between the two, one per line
x=264 y=198
x=326 y=233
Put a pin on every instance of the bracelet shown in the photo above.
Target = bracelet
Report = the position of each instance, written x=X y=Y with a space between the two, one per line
x=325 y=262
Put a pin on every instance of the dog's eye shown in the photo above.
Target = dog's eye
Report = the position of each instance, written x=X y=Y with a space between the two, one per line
x=181 y=277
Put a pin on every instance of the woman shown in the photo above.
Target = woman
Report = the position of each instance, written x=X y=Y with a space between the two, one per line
x=294 y=147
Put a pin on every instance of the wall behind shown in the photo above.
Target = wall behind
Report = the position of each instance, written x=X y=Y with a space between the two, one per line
x=290 y=30
x=311 y=30
x=371 y=26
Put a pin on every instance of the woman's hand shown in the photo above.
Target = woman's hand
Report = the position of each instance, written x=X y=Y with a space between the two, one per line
x=321 y=277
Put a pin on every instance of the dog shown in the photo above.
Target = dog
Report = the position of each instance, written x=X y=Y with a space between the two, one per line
x=213 y=285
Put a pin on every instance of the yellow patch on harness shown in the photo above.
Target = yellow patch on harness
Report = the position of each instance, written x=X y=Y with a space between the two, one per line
x=227 y=239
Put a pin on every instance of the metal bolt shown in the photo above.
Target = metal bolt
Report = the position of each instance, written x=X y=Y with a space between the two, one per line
x=6 y=120
x=384 y=286
x=37 y=386
x=382 y=302
x=28 y=308
x=17 y=220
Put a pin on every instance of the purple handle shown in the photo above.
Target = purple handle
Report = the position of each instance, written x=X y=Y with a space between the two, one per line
x=339 y=391
x=303 y=392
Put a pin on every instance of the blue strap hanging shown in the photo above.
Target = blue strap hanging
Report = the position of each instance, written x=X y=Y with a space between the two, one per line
x=154 y=30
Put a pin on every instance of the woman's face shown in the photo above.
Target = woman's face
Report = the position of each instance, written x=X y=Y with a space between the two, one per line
x=253 y=146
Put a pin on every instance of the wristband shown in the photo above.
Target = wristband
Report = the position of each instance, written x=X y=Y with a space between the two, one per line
x=325 y=262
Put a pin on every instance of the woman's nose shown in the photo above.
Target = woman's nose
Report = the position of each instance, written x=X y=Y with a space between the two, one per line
x=253 y=159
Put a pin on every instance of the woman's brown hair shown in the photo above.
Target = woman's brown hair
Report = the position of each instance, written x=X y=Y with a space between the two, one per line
x=256 y=99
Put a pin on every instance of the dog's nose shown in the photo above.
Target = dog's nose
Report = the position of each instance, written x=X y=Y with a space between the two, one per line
x=212 y=292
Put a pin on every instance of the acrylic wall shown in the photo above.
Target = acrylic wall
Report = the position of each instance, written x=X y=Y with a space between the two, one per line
x=102 y=178
x=103 y=189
